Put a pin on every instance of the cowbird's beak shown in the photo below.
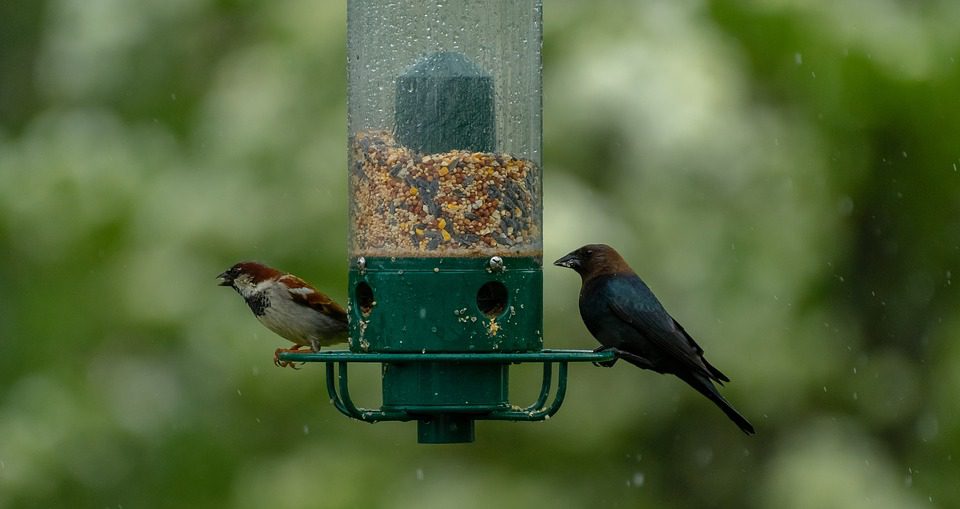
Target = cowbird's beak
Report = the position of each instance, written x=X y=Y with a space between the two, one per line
x=570 y=261
x=224 y=279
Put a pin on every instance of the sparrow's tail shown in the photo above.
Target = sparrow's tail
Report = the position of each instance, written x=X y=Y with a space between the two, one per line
x=706 y=387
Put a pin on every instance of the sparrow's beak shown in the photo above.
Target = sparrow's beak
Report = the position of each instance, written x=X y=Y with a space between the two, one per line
x=224 y=280
x=570 y=261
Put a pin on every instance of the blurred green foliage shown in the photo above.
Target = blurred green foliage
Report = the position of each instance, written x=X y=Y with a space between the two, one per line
x=783 y=173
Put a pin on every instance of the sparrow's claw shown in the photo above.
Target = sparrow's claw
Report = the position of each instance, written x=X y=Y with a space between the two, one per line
x=284 y=364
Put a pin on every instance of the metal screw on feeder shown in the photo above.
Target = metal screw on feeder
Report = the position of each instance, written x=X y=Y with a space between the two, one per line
x=446 y=283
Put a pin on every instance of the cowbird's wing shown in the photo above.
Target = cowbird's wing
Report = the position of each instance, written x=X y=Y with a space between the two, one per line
x=630 y=300
x=718 y=376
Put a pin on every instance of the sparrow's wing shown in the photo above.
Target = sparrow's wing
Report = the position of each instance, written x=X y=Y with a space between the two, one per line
x=631 y=301
x=302 y=292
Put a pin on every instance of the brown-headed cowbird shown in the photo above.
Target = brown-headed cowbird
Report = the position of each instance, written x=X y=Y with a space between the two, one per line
x=288 y=306
x=624 y=315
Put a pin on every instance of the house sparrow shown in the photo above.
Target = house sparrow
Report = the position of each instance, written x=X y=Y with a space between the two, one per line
x=624 y=315
x=288 y=306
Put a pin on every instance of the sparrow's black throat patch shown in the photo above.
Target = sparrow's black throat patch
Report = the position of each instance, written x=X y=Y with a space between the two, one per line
x=258 y=303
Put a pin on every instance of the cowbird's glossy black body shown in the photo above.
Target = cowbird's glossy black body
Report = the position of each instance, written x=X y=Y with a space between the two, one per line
x=621 y=311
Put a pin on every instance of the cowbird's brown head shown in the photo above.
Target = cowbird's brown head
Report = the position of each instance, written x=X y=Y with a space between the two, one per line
x=594 y=260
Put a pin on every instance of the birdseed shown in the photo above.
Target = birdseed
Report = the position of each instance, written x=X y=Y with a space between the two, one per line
x=455 y=203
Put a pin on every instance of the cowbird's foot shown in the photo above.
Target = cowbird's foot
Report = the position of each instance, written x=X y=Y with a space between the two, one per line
x=604 y=364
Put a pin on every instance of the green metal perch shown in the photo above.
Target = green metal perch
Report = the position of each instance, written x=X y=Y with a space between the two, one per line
x=440 y=423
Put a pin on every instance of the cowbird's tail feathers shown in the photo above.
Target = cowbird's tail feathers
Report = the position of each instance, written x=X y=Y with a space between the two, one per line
x=705 y=387
x=716 y=374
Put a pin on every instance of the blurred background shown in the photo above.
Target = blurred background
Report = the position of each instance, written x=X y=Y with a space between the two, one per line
x=784 y=174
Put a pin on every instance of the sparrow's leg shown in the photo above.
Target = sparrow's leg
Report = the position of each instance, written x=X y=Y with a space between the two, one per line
x=283 y=364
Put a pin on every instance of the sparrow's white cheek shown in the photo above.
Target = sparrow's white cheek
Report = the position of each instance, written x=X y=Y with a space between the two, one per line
x=262 y=285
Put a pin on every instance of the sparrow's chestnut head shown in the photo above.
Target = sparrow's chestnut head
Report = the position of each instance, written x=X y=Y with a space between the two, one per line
x=245 y=276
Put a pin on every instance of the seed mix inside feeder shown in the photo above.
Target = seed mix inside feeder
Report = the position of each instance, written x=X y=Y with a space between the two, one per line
x=450 y=203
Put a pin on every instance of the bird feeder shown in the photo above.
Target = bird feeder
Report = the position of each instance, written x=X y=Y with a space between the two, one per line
x=446 y=243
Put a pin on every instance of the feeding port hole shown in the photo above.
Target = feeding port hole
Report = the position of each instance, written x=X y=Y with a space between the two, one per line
x=492 y=298
x=365 y=298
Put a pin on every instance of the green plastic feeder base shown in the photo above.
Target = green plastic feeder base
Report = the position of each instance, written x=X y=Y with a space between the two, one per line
x=445 y=429
x=423 y=308
x=448 y=418
x=429 y=387
x=421 y=305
